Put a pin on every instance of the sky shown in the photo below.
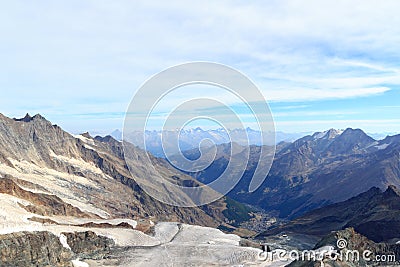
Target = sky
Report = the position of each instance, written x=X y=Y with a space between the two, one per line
x=319 y=64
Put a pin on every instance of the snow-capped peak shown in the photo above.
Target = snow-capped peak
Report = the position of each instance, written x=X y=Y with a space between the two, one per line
x=328 y=134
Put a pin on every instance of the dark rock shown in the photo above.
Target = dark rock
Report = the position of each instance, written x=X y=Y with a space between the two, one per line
x=89 y=245
x=33 y=249
x=27 y=118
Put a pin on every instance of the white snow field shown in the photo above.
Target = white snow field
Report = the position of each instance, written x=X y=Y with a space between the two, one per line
x=189 y=245
x=173 y=244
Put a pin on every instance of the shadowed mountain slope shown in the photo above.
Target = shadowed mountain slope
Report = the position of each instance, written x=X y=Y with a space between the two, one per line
x=312 y=172
x=374 y=214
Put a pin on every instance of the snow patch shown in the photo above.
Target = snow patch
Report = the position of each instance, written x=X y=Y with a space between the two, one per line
x=89 y=147
x=319 y=135
x=324 y=134
x=122 y=237
x=197 y=246
x=58 y=183
x=79 y=163
x=86 y=207
x=78 y=263
x=165 y=231
x=14 y=218
x=381 y=147
x=85 y=139
x=63 y=241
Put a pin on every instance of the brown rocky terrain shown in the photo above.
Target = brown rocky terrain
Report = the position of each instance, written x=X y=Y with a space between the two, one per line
x=85 y=170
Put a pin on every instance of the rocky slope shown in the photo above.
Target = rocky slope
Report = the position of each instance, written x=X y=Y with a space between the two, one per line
x=33 y=249
x=85 y=173
x=314 y=171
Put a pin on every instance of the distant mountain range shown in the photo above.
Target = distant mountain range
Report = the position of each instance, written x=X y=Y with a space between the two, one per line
x=191 y=138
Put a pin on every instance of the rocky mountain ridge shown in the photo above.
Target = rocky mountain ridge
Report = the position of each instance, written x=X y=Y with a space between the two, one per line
x=89 y=171
x=305 y=173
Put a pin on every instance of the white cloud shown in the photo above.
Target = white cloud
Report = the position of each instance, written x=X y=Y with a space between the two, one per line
x=306 y=94
x=377 y=125
x=314 y=113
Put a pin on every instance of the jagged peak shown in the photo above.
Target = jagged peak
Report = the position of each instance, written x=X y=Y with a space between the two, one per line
x=391 y=138
x=349 y=131
x=392 y=190
x=87 y=135
x=373 y=190
x=328 y=134
x=29 y=118
x=38 y=117
x=356 y=133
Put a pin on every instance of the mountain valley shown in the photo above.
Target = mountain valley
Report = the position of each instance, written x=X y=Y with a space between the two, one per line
x=71 y=200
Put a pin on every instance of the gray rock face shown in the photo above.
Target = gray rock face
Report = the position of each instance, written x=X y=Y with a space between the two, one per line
x=33 y=249
x=88 y=245
x=45 y=249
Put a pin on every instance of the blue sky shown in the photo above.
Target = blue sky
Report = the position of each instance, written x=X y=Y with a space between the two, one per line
x=319 y=65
